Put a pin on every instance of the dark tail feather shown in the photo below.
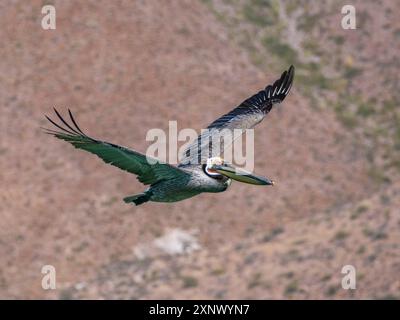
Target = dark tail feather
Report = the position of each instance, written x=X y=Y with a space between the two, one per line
x=138 y=198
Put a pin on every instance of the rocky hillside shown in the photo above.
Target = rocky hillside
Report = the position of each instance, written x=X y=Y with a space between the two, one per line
x=125 y=67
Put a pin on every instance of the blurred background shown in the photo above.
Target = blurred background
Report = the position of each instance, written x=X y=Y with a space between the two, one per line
x=125 y=67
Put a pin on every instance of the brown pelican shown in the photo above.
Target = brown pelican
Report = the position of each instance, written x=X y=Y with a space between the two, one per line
x=201 y=169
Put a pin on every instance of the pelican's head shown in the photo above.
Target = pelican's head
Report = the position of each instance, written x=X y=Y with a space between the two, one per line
x=211 y=163
x=216 y=168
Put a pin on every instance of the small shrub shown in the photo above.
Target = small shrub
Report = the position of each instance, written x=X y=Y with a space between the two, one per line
x=331 y=291
x=189 y=282
x=291 y=288
x=341 y=235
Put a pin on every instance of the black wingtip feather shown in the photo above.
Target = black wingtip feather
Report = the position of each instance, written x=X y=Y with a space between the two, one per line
x=74 y=122
x=281 y=87
x=58 y=126
x=63 y=121
x=71 y=130
x=275 y=93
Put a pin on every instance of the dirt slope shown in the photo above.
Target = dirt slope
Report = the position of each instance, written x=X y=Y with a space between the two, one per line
x=125 y=68
x=302 y=261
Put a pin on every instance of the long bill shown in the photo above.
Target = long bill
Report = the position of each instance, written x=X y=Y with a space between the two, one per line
x=242 y=175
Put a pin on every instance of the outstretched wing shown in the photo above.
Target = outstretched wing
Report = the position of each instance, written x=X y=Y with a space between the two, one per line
x=248 y=114
x=149 y=170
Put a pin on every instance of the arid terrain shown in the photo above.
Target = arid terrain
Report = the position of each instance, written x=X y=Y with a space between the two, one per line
x=124 y=67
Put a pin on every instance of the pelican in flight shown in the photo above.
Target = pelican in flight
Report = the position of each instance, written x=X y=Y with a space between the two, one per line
x=201 y=169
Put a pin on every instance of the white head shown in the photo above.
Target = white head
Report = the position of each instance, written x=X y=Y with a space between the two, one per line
x=214 y=161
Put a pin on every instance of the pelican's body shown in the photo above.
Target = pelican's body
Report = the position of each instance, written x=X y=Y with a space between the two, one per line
x=201 y=169
x=180 y=188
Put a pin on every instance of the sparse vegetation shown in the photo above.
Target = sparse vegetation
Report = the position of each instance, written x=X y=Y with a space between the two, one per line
x=352 y=72
x=280 y=49
x=262 y=13
x=374 y=234
x=189 y=282
x=359 y=211
x=218 y=271
x=361 y=249
x=340 y=235
x=255 y=280
x=331 y=291
x=291 y=287
x=288 y=275
x=271 y=235
x=326 y=277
